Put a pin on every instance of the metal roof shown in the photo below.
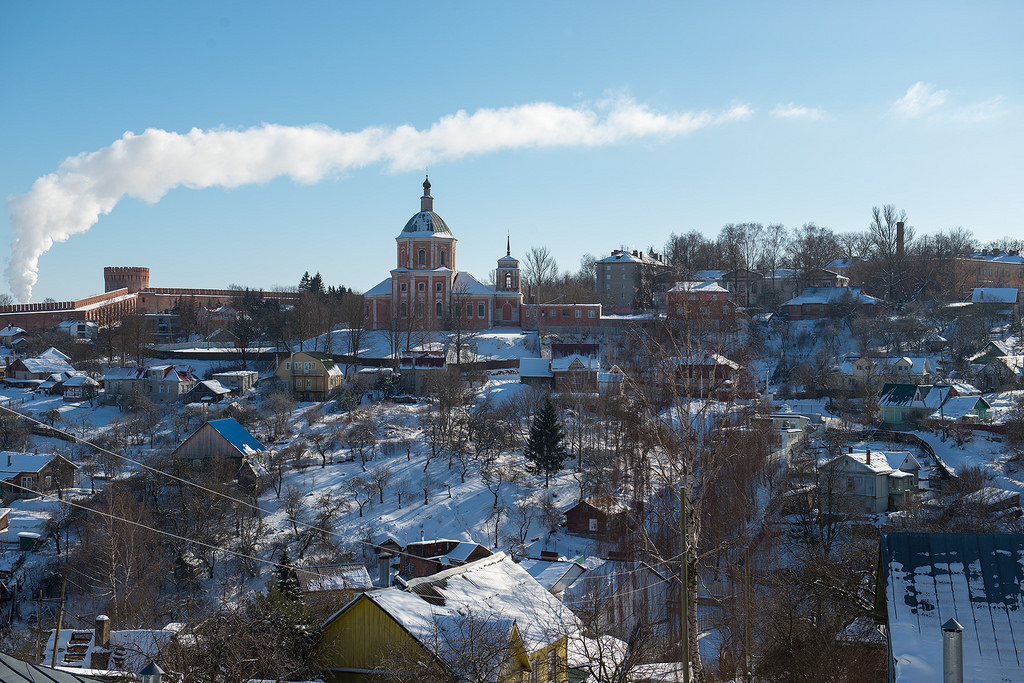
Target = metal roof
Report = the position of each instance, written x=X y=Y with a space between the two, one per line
x=926 y=579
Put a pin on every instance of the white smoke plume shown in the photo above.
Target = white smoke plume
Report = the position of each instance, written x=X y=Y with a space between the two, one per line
x=71 y=200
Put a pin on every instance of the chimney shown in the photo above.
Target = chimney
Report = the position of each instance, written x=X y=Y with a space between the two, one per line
x=384 y=570
x=849 y=449
x=8 y=458
x=868 y=456
x=102 y=633
x=952 y=652
x=422 y=536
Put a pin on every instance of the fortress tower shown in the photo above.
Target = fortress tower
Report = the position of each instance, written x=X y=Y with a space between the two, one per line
x=135 y=278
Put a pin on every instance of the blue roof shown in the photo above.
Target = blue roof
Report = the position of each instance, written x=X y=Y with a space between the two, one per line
x=237 y=435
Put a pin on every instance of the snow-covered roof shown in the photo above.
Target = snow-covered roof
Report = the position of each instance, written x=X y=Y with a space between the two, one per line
x=565 y=363
x=13 y=462
x=534 y=367
x=959 y=406
x=708 y=274
x=926 y=579
x=212 y=386
x=554 y=575
x=54 y=353
x=382 y=287
x=79 y=380
x=427 y=223
x=703 y=286
x=333 y=577
x=138 y=647
x=620 y=256
x=49 y=365
x=830 y=295
x=11 y=330
x=999 y=256
x=994 y=295
x=880 y=460
x=467 y=284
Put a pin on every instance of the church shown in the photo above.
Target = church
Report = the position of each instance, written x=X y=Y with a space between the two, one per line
x=426 y=291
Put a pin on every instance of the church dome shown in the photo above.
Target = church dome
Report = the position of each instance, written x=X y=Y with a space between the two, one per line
x=426 y=222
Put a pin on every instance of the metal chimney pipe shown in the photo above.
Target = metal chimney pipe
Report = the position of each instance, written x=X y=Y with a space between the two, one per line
x=868 y=456
x=384 y=570
x=952 y=652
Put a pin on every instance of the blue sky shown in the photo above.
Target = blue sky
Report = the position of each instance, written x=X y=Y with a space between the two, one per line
x=586 y=127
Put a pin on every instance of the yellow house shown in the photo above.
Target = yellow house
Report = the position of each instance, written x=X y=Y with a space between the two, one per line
x=486 y=620
x=311 y=376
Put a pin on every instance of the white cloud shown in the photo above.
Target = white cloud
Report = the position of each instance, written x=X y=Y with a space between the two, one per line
x=796 y=111
x=70 y=200
x=920 y=99
x=980 y=112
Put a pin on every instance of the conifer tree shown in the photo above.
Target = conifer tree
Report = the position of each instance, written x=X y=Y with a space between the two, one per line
x=544 y=449
x=286 y=581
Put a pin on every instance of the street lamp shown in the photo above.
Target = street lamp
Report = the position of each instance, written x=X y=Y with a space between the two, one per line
x=151 y=673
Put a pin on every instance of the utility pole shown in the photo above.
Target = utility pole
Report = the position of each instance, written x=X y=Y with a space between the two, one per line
x=56 y=633
x=684 y=607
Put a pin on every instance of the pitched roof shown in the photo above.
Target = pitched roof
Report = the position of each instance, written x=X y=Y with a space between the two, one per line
x=926 y=579
x=704 y=286
x=14 y=670
x=24 y=462
x=333 y=577
x=236 y=435
x=994 y=295
x=467 y=284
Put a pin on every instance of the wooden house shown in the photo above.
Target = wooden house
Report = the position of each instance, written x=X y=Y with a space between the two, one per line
x=26 y=475
x=223 y=438
x=488 y=620
x=600 y=517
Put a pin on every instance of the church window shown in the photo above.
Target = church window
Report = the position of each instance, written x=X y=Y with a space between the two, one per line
x=422 y=287
x=423 y=257
x=404 y=310
x=404 y=286
x=508 y=280
x=480 y=310
x=442 y=257
x=438 y=309
x=469 y=310
x=590 y=314
x=438 y=286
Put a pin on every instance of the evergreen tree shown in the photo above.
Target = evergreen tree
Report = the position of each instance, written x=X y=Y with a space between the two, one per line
x=316 y=284
x=304 y=282
x=544 y=449
x=286 y=582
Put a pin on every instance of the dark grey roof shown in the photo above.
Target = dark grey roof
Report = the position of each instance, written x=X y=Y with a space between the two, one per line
x=427 y=222
x=14 y=670
x=926 y=579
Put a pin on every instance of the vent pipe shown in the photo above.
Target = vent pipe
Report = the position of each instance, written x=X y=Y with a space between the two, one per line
x=952 y=652
x=868 y=456
x=384 y=570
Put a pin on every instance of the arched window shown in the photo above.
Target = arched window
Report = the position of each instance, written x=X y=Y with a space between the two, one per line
x=405 y=310
x=442 y=258
x=439 y=309
x=508 y=280
x=423 y=257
